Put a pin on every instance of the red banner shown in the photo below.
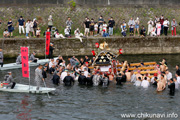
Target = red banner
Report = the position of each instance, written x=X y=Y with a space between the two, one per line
x=25 y=59
x=48 y=34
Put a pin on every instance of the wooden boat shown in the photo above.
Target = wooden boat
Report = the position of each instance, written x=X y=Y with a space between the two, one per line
x=20 y=88
x=16 y=66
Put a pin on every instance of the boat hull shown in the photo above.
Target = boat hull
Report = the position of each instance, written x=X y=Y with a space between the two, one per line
x=16 y=66
x=20 y=88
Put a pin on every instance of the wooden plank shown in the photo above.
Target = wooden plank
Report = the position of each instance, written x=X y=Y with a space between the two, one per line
x=138 y=64
x=145 y=63
x=145 y=72
x=140 y=68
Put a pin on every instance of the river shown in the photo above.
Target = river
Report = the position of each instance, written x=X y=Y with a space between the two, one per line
x=91 y=103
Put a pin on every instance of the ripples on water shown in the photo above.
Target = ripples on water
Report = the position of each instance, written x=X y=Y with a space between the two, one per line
x=82 y=102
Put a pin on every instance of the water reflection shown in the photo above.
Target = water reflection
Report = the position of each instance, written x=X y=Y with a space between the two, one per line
x=24 y=110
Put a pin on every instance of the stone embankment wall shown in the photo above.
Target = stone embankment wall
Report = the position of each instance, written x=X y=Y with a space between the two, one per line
x=69 y=47
x=92 y=2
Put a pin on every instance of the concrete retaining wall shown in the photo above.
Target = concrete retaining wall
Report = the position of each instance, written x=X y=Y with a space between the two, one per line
x=69 y=47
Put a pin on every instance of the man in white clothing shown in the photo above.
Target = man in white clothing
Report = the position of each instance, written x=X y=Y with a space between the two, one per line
x=85 y=72
x=176 y=83
x=178 y=78
x=133 y=76
x=52 y=63
x=145 y=83
x=78 y=34
x=150 y=26
x=63 y=75
x=168 y=75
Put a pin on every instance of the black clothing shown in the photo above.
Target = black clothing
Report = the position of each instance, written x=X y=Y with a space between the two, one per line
x=13 y=85
x=118 y=80
x=124 y=78
x=56 y=79
x=111 y=23
x=44 y=74
x=178 y=72
x=89 y=81
x=172 y=88
x=51 y=70
x=87 y=24
x=47 y=68
x=1 y=64
x=86 y=60
x=82 y=80
x=68 y=80
x=50 y=27
x=35 y=60
x=165 y=30
x=51 y=52
x=92 y=26
x=155 y=83
x=143 y=32
x=60 y=61
x=82 y=63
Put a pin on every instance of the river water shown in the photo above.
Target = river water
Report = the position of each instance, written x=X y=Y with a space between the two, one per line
x=91 y=103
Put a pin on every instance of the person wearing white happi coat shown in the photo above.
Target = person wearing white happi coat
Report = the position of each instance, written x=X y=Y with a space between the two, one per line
x=145 y=83
x=150 y=26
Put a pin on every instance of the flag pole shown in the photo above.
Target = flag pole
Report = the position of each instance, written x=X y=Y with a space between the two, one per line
x=29 y=69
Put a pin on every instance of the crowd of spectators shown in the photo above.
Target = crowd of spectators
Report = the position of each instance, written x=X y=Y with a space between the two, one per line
x=155 y=27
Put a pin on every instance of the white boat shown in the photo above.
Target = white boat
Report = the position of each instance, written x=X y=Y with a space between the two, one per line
x=20 y=88
x=16 y=66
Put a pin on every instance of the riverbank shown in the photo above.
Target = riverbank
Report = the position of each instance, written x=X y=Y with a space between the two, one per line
x=41 y=13
x=72 y=46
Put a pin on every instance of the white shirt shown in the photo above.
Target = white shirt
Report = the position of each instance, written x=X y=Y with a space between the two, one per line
x=27 y=27
x=176 y=85
x=105 y=27
x=145 y=84
x=86 y=73
x=66 y=31
x=137 y=83
x=96 y=27
x=178 y=80
x=133 y=78
x=51 y=64
x=63 y=75
x=166 y=23
x=152 y=80
x=169 y=76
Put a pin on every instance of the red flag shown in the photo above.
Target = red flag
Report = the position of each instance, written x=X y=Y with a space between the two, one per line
x=48 y=34
x=93 y=52
x=25 y=59
x=97 y=45
x=120 y=51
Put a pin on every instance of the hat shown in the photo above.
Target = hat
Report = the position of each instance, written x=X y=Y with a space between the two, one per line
x=9 y=72
x=66 y=70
